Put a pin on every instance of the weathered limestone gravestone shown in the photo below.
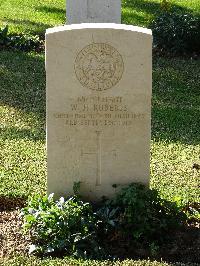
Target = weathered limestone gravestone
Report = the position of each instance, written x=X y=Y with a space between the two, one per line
x=98 y=107
x=93 y=11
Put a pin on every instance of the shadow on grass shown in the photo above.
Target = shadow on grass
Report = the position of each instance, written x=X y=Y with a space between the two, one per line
x=22 y=86
x=58 y=12
x=151 y=7
x=22 y=81
x=176 y=124
x=130 y=16
x=35 y=28
x=149 y=10
x=176 y=95
x=10 y=133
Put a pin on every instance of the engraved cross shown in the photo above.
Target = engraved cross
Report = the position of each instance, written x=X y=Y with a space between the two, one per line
x=98 y=157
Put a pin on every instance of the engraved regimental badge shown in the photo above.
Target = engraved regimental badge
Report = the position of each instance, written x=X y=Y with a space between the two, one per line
x=99 y=66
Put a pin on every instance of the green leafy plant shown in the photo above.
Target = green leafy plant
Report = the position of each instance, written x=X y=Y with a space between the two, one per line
x=109 y=218
x=192 y=209
x=177 y=33
x=4 y=35
x=76 y=188
x=141 y=216
x=25 y=42
x=68 y=226
x=165 y=5
x=135 y=215
x=22 y=42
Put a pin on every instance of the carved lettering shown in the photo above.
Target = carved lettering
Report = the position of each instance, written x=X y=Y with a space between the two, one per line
x=96 y=111
x=74 y=107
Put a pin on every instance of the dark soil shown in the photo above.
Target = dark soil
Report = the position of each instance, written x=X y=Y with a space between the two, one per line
x=183 y=246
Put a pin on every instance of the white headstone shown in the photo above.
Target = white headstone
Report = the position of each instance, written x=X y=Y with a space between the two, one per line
x=93 y=11
x=98 y=107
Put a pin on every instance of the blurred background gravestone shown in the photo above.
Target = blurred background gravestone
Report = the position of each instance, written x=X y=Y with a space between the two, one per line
x=93 y=11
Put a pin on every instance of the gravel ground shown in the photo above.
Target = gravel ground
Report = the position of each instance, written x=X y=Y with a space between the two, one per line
x=12 y=239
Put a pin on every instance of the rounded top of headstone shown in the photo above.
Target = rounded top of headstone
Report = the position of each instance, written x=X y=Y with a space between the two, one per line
x=102 y=26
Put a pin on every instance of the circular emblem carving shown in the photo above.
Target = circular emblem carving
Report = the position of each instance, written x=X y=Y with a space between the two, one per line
x=99 y=66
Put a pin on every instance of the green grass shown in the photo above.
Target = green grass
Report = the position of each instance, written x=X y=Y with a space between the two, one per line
x=35 y=17
x=31 y=16
x=175 y=126
x=33 y=261
x=19 y=260
x=175 y=134
x=22 y=116
x=175 y=144
x=141 y=12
